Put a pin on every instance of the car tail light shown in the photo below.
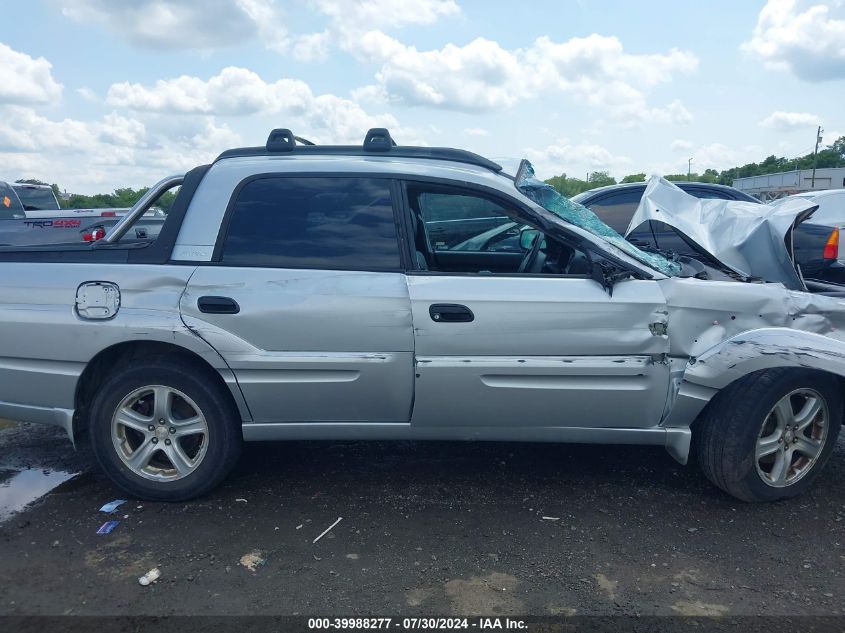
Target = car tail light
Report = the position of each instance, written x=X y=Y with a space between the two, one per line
x=831 y=248
x=108 y=214
x=98 y=233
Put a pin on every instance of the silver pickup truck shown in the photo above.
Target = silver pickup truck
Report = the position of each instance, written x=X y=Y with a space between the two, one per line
x=293 y=293
x=30 y=215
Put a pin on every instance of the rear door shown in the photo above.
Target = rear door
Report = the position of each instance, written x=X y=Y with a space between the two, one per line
x=306 y=300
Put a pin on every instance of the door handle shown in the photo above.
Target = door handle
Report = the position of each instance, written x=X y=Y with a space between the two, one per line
x=450 y=313
x=218 y=305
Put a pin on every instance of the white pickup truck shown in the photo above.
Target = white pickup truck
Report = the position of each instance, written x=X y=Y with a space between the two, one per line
x=293 y=292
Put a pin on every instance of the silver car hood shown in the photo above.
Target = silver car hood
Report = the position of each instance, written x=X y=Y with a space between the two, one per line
x=748 y=238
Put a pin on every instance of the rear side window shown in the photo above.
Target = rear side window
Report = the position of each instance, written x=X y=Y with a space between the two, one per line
x=332 y=223
x=617 y=209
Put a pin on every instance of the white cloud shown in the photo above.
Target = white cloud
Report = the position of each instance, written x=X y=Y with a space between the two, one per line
x=312 y=47
x=716 y=156
x=355 y=26
x=238 y=91
x=807 y=38
x=476 y=131
x=482 y=75
x=26 y=80
x=87 y=94
x=674 y=112
x=93 y=156
x=184 y=24
x=790 y=120
x=575 y=159
x=479 y=76
x=22 y=129
x=357 y=15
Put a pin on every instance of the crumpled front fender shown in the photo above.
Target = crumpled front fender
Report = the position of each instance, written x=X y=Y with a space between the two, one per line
x=765 y=348
x=740 y=355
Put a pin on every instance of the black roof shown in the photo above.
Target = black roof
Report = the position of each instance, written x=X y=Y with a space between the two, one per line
x=378 y=142
x=734 y=194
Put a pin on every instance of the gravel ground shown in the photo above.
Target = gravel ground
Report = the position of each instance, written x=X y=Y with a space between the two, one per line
x=427 y=528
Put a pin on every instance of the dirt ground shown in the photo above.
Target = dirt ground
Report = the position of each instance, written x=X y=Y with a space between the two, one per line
x=428 y=529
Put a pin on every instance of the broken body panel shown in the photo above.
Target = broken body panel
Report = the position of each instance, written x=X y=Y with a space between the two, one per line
x=753 y=240
x=719 y=331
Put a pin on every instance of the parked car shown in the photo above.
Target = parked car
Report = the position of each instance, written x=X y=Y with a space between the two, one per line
x=68 y=229
x=831 y=212
x=294 y=293
x=816 y=242
x=40 y=223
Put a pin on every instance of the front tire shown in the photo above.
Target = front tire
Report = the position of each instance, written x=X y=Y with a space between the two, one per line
x=768 y=435
x=163 y=429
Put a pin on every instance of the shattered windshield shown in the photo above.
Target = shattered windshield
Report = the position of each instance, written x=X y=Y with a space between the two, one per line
x=548 y=197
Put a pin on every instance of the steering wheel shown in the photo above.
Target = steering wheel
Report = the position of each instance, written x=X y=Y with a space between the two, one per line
x=534 y=258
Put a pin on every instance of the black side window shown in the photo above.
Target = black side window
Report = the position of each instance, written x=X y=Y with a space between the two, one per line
x=333 y=223
x=707 y=193
x=462 y=220
x=617 y=209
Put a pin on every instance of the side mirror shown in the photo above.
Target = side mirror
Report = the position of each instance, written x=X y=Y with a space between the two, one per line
x=527 y=238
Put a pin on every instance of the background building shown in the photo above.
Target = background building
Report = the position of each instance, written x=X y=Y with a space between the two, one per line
x=785 y=183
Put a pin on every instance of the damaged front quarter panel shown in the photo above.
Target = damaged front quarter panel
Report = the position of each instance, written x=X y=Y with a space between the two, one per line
x=727 y=330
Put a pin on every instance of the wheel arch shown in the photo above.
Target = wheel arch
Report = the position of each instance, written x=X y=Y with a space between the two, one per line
x=737 y=357
x=117 y=356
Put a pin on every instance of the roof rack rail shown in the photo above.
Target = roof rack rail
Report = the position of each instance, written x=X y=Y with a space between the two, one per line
x=377 y=141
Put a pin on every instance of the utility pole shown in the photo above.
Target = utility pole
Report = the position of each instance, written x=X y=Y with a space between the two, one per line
x=815 y=153
x=689 y=168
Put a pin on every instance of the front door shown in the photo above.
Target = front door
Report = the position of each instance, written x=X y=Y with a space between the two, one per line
x=307 y=302
x=517 y=336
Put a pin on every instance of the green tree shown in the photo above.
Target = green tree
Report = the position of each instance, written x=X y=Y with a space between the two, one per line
x=571 y=186
x=120 y=198
x=600 y=179
x=568 y=186
x=634 y=178
x=709 y=175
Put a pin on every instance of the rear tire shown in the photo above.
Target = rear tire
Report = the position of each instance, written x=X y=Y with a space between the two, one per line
x=768 y=435
x=163 y=429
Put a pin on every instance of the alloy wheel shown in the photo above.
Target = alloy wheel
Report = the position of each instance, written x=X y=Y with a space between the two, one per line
x=159 y=433
x=792 y=438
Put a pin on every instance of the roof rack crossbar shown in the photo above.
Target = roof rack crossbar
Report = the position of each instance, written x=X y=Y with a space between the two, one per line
x=377 y=141
x=281 y=140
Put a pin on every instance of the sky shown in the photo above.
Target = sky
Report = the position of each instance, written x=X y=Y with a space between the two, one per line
x=100 y=94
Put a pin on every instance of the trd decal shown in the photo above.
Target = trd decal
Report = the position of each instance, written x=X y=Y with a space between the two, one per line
x=55 y=224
